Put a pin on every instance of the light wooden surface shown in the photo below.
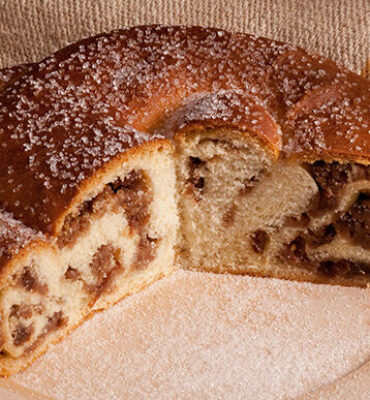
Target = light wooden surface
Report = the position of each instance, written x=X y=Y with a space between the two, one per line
x=207 y=336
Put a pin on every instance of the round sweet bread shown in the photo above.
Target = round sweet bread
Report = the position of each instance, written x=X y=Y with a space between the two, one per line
x=133 y=153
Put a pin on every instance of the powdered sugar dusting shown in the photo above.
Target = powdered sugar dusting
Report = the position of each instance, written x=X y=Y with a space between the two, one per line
x=204 y=336
x=52 y=118
x=78 y=109
x=13 y=236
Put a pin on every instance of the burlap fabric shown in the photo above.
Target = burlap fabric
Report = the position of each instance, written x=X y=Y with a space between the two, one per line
x=339 y=29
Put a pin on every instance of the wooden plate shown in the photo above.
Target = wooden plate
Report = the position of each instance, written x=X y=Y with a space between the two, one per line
x=205 y=336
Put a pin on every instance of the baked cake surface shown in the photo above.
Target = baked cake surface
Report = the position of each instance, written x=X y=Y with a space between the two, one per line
x=130 y=154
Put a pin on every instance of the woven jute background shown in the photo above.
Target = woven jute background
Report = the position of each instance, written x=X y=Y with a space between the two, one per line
x=339 y=29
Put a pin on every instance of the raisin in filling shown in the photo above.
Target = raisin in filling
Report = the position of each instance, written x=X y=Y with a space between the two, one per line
x=355 y=223
x=295 y=252
x=72 y=273
x=249 y=185
x=196 y=180
x=259 y=240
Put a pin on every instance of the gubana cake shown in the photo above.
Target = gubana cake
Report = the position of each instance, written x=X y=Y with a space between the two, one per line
x=133 y=153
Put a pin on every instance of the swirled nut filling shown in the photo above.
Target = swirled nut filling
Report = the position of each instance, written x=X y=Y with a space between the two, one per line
x=355 y=223
x=133 y=194
x=352 y=225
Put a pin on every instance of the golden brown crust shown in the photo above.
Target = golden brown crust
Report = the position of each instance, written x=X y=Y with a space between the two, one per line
x=223 y=109
x=65 y=118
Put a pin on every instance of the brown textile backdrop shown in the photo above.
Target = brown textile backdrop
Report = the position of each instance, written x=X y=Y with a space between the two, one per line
x=339 y=29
